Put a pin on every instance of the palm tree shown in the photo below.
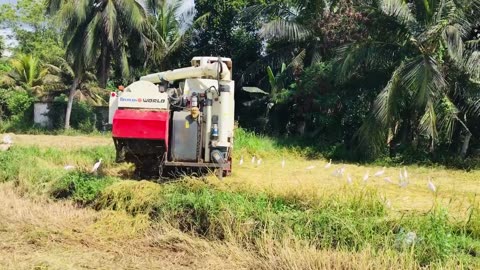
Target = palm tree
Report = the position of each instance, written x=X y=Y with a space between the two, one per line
x=61 y=75
x=418 y=41
x=171 y=30
x=296 y=27
x=97 y=32
x=27 y=70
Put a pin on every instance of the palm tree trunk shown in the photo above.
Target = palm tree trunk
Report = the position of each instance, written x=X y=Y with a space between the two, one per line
x=73 y=90
x=104 y=66
x=465 y=145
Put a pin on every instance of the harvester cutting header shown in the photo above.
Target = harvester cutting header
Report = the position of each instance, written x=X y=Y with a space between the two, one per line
x=177 y=118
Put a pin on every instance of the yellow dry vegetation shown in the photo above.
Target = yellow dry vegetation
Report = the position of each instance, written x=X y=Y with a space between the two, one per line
x=36 y=233
x=309 y=180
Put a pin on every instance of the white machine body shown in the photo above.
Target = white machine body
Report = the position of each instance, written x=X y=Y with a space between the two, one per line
x=206 y=87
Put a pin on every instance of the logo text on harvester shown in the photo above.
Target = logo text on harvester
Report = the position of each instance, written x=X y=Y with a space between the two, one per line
x=154 y=100
x=147 y=100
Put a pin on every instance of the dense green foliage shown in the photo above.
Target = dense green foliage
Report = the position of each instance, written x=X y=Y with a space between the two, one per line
x=358 y=80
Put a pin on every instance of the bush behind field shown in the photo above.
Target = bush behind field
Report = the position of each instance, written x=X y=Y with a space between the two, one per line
x=354 y=221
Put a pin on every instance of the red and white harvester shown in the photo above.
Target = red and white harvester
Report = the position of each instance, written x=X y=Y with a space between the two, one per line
x=182 y=118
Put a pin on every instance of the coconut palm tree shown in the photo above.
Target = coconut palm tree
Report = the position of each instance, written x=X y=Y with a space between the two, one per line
x=171 y=29
x=419 y=41
x=98 y=32
x=27 y=71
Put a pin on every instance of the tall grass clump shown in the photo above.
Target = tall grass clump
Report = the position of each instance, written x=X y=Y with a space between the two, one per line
x=82 y=188
x=353 y=223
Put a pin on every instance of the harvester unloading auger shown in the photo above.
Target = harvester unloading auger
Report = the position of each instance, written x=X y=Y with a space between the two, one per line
x=183 y=118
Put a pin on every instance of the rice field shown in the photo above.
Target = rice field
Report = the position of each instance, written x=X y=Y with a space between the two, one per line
x=285 y=212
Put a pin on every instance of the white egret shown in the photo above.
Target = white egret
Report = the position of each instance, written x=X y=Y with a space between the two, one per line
x=253 y=159
x=432 y=186
x=339 y=172
x=349 y=179
x=365 y=177
x=388 y=204
x=96 y=166
x=283 y=163
x=69 y=167
x=388 y=180
x=309 y=168
x=380 y=173
x=403 y=184
x=329 y=164
x=241 y=161
x=7 y=139
x=405 y=173
x=259 y=161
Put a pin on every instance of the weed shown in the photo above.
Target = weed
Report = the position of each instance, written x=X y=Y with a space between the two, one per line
x=80 y=187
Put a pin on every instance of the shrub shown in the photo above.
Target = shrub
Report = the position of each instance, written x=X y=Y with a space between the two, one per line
x=80 y=187
x=83 y=115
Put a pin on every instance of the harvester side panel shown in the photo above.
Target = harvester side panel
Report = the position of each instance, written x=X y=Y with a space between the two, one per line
x=185 y=145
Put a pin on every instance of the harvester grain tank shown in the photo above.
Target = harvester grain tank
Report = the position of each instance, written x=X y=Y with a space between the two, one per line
x=182 y=118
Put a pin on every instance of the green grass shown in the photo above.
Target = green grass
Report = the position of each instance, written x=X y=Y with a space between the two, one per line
x=357 y=223
x=355 y=220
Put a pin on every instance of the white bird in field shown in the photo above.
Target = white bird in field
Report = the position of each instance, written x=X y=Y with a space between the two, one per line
x=339 y=172
x=405 y=173
x=283 y=163
x=365 y=177
x=328 y=164
x=259 y=161
x=403 y=184
x=349 y=179
x=309 y=168
x=253 y=159
x=388 y=204
x=432 y=186
x=241 y=161
x=96 y=166
x=380 y=173
x=7 y=139
x=388 y=180
x=69 y=167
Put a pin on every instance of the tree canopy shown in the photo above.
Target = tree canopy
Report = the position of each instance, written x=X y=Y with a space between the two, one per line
x=356 y=79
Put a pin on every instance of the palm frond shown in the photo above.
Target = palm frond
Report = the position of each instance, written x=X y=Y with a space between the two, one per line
x=398 y=9
x=372 y=137
x=387 y=105
x=453 y=38
x=281 y=29
x=447 y=117
x=91 y=42
x=472 y=66
x=124 y=63
x=423 y=77
x=371 y=54
x=109 y=18
x=297 y=61
x=428 y=122
x=132 y=14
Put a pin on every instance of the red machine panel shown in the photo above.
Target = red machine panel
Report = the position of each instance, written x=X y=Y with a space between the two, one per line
x=138 y=124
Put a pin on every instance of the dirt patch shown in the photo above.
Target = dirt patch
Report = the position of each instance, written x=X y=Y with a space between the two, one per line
x=60 y=141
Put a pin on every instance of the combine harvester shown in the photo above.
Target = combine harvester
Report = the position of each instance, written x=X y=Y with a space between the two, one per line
x=183 y=118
